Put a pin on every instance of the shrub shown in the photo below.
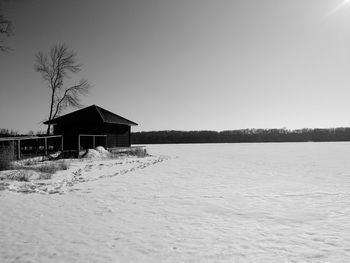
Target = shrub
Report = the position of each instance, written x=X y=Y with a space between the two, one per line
x=134 y=151
x=6 y=156
x=139 y=152
x=52 y=167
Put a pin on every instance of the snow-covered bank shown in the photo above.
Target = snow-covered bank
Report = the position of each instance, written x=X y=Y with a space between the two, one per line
x=206 y=203
x=95 y=165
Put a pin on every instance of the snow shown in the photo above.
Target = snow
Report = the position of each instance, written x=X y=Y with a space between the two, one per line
x=99 y=152
x=187 y=203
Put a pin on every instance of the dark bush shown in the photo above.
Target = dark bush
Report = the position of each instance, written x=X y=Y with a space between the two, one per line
x=6 y=156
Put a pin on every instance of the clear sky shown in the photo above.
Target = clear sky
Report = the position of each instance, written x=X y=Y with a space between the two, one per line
x=187 y=64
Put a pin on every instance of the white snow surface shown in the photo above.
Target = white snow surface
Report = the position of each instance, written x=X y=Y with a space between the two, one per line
x=287 y=202
x=99 y=152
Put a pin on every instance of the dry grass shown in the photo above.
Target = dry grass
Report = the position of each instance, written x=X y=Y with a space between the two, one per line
x=45 y=176
x=139 y=152
x=26 y=175
x=21 y=176
x=31 y=170
x=52 y=167
x=29 y=162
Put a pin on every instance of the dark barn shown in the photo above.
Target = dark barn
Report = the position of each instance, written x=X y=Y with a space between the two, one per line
x=91 y=127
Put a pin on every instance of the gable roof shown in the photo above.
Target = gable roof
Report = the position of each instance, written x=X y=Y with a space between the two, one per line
x=104 y=115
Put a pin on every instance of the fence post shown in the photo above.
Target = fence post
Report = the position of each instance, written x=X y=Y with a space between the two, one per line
x=18 y=149
x=62 y=143
x=36 y=146
x=78 y=145
x=45 y=146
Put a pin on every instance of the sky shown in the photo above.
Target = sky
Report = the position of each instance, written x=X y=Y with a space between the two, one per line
x=186 y=64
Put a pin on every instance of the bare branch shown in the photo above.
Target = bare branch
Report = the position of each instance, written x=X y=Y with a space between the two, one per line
x=6 y=29
x=71 y=97
x=54 y=69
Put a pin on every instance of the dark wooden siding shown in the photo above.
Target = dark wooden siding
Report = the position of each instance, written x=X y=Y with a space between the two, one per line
x=118 y=135
x=75 y=129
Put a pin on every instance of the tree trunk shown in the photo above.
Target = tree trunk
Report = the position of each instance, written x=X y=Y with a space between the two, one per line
x=48 y=130
x=51 y=108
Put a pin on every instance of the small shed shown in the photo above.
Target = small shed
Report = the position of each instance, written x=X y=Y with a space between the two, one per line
x=91 y=127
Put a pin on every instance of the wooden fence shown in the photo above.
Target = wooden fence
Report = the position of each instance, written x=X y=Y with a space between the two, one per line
x=30 y=146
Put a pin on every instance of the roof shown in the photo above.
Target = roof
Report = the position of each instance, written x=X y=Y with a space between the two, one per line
x=104 y=115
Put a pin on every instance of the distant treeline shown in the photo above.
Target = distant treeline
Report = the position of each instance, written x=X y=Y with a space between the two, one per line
x=13 y=133
x=8 y=133
x=245 y=135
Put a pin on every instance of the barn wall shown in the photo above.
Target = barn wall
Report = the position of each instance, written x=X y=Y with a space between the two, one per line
x=70 y=133
x=75 y=129
x=118 y=135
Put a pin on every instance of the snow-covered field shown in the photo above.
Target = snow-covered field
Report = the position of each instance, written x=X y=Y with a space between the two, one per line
x=187 y=203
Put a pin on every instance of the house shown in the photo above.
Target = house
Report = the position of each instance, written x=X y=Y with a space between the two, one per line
x=91 y=127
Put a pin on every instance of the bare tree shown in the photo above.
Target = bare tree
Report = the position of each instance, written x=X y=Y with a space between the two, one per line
x=55 y=68
x=5 y=30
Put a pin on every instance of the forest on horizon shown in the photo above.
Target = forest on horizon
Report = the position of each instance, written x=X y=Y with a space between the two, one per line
x=243 y=135
x=228 y=136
